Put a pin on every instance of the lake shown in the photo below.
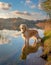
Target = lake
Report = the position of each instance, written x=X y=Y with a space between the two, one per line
x=11 y=50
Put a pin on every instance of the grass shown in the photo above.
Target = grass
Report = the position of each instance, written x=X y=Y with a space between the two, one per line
x=47 y=46
x=47 y=42
x=47 y=36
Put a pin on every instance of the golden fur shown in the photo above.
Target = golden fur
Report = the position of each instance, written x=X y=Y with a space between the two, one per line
x=28 y=33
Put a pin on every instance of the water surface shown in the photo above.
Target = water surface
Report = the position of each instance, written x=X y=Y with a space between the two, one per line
x=10 y=51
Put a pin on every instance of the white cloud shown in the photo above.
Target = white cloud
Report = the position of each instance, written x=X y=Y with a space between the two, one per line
x=20 y=13
x=39 y=6
x=28 y=1
x=24 y=14
x=4 y=6
x=32 y=6
x=35 y=13
x=40 y=16
x=16 y=12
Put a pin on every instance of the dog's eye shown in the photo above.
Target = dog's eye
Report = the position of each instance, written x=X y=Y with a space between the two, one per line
x=22 y=28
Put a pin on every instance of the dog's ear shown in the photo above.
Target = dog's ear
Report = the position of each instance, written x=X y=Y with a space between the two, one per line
x=26 y=27
x=19 y=27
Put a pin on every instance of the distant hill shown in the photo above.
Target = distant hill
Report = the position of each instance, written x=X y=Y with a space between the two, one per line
x=14 y=23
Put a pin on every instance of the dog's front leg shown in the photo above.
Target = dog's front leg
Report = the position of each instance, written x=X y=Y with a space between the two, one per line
x=27 y=42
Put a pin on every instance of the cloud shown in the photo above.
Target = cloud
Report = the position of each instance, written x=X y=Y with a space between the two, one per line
x=35 y=13
x=20 y=13
x=5 y=6
x=38 y=16
x=24 y=15
x=39 y=6
x=16 y=12
x=30 y=4
x=28 y=1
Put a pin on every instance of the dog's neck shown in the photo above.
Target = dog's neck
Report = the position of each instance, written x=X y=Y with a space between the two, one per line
x=25 y=31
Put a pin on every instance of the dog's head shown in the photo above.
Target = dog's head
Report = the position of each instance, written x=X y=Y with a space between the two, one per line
x=23 y=28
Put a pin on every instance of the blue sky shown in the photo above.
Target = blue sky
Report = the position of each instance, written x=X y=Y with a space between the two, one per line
x=22 y=8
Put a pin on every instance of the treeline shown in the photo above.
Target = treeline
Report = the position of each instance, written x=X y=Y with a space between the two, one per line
x=14 y=23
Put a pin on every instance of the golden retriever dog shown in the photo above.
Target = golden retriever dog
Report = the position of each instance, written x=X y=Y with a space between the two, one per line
x=28 y=33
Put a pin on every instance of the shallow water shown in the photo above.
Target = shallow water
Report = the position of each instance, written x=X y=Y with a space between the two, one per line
x=10 y=51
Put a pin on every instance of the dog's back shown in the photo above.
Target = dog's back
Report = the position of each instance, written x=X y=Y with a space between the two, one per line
x=32 y=32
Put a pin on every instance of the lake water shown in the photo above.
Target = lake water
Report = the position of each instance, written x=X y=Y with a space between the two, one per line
x=11 y=50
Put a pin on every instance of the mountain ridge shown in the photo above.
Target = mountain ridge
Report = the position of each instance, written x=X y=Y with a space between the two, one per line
x=13 y=23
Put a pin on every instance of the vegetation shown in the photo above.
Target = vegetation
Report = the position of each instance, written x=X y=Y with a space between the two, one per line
x=46 y=6
x=47 y=44
x=14 y=23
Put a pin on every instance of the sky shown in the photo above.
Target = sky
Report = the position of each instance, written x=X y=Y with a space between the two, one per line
x=27 y=9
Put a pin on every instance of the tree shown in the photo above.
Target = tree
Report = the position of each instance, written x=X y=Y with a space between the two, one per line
x=46 y=6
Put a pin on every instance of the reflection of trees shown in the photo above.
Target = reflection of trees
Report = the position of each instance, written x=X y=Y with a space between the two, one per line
x=31 y=49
